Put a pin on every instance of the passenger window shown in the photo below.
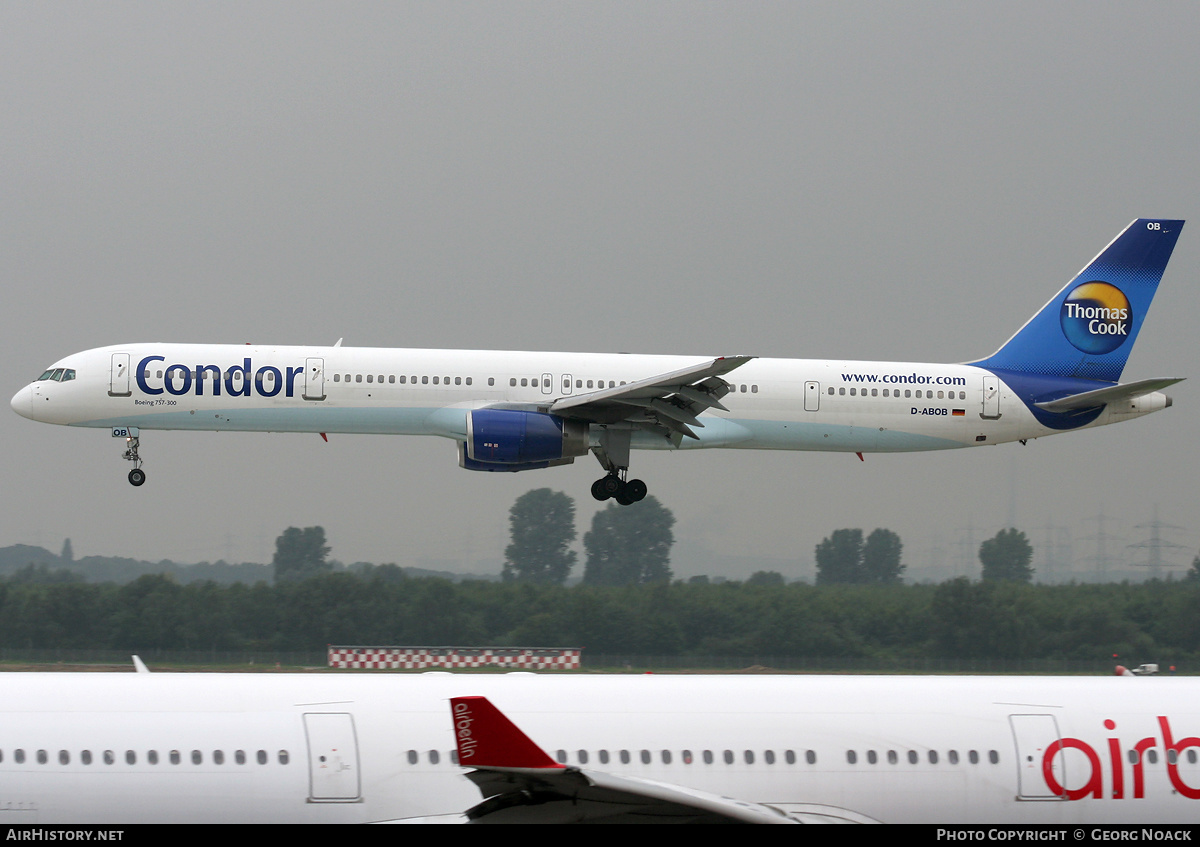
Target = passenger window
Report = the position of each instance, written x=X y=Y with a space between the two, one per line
x=174 y=757
x=370 y=377
x=130 y=757
x=64 y=758
x=109 y=757
x=197 y=757
x=283 y=756
x=261 y=756
x=337 y=377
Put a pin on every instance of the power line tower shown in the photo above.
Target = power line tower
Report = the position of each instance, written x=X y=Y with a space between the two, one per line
x=1155 y=545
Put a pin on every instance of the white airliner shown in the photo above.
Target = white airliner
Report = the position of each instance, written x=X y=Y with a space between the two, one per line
x=515 y=411
x=308 y=748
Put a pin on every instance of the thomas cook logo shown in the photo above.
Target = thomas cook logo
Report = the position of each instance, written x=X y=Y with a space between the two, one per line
x=1096 y=317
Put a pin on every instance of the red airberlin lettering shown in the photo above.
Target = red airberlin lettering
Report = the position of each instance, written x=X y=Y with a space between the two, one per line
x=1093 y=786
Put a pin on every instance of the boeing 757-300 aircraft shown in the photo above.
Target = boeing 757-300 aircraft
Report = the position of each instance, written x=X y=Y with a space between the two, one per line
x=309 y=748
x=517 y=411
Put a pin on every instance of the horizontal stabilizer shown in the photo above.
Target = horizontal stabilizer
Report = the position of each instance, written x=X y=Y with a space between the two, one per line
x=1103 y=396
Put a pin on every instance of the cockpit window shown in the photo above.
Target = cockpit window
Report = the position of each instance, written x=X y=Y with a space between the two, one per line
x=58 y=374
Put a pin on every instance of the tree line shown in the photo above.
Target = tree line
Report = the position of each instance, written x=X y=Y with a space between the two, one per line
x=1152 y=621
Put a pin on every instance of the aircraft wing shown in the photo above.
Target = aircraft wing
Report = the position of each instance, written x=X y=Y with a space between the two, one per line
x=1109 y=394
x=522 y=784
x=671 y=401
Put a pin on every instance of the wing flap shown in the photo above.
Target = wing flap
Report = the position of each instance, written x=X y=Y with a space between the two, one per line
x=671 y=401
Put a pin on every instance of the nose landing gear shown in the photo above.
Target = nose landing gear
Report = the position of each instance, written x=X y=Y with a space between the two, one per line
x=137 y=476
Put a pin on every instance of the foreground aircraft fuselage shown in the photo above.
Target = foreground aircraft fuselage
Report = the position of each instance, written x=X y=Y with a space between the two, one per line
x=127 y=748
x=514 y=411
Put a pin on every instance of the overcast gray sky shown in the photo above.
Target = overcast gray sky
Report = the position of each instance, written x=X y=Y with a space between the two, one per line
x=905 y=181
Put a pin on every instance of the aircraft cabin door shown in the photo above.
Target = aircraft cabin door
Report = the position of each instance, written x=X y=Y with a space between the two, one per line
x=566 y=384
x=812 y=396
x=333 y=773
x=991 y=398
x=547 y=383
x=118 y=377
x=314 y=379
x=1033 y=735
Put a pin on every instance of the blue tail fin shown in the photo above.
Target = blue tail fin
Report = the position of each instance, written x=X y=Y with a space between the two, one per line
x=1088 y=329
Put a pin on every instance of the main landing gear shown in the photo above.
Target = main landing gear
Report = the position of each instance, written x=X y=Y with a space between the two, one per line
x=136 y=476
x=613 y=455
x=624 y=492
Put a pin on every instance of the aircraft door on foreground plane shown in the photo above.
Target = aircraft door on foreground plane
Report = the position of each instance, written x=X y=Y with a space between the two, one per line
x=513 y=411
x=103 y=748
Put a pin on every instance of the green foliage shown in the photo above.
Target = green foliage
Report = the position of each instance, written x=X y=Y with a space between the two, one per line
x=630 y=545
x=1006 y=557
x=844 y=558
x=1155 y=621
x=542 y=527
x=300 y=554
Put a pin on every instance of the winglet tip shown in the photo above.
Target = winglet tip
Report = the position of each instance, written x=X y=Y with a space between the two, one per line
x=485 y=737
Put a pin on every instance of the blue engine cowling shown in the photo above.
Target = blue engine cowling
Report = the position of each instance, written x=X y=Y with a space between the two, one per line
x=517 y=440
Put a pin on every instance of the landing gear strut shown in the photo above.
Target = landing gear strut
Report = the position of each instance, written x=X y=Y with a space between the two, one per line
x=136 y=476
x=613 y=455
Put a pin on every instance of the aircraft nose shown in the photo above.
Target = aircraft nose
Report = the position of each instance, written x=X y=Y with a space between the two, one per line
x=22 y=402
